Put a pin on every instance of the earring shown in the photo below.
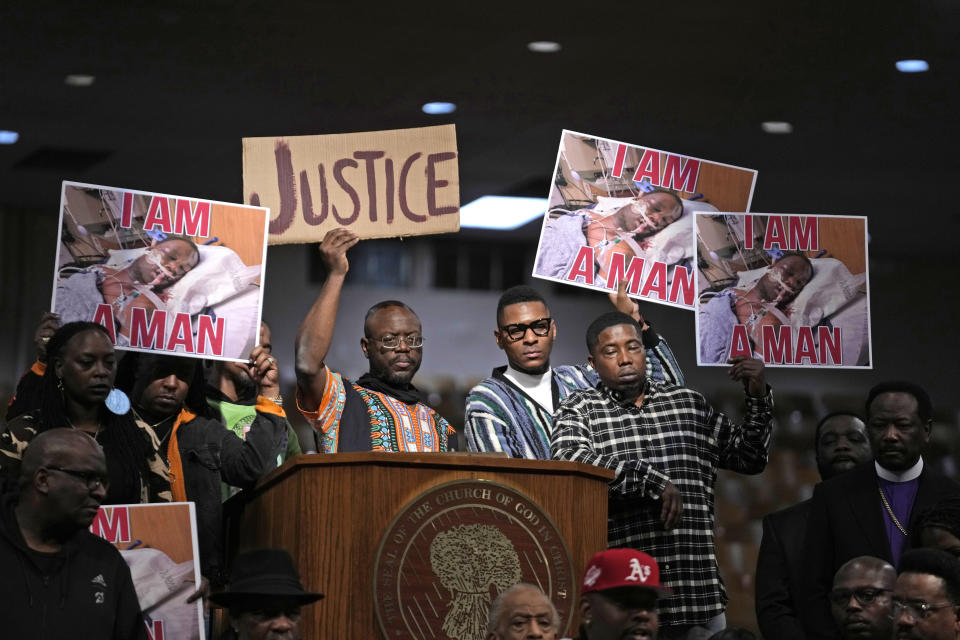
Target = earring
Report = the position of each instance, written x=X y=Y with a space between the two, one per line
x=60 y=384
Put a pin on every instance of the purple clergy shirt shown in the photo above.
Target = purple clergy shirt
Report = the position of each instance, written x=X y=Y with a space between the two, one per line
x=900 y=496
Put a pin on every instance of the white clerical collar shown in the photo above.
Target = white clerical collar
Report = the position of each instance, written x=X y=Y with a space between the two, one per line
x=904 y=476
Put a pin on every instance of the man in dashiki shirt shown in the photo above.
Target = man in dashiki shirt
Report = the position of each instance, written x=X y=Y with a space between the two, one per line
x=382 y=410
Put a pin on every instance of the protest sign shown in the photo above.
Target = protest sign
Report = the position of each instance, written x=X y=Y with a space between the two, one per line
x=162 y=273
x=159 y=544
x=792 y=290
x=619 y=211
x=378 y=184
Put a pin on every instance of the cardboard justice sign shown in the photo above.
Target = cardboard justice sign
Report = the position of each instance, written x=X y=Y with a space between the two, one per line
x=618 y=211
x=159 y=544
x=378 y=184
x=162 y=273
x=792 y=290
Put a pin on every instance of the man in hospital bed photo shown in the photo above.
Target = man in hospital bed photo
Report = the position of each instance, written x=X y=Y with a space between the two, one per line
x=616 y=225
x=765 y=303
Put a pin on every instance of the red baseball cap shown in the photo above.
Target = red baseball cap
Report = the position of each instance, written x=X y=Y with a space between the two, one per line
x=622 y=568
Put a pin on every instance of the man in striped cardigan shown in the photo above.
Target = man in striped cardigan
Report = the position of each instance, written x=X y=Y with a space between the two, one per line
x=512 y=410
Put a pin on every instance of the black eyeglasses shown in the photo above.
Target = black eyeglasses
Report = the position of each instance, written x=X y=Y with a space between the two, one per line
x=918 y=610
x=392 y=342
x=92 y=479
x=540 y=327
x=864 y=596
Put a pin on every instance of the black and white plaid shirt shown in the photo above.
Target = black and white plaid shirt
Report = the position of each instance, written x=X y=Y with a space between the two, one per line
x=675 y=436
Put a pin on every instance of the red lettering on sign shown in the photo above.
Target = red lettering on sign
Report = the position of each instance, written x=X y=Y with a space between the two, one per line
x=634 y=274
x=649 y=168
x=112 y=524
x=193 y=219
x=656 y=282
x=681 y=288
x=144 y=335
x=740 y=344
x=104 y=315
x=777 y=344
x=831 y=345
x=159 y=215
x=210 y=335
x=618 y=164
x=181 y=334
x=126 y=214
x=681 y=173
x=583 y=265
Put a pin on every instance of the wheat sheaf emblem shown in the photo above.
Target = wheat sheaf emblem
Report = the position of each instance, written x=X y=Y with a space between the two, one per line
x=469 y=559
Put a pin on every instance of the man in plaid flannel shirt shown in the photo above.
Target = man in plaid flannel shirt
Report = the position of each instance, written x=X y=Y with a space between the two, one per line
x=665 y=444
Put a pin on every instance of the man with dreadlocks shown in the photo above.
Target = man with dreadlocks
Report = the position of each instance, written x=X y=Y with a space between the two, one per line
x=76 y=391
x=196 y=449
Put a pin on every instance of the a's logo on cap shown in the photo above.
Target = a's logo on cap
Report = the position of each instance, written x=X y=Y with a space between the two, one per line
x=590 y=577
x=638 y=571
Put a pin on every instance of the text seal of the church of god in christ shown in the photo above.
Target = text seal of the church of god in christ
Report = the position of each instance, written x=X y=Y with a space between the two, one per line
x=450 y=551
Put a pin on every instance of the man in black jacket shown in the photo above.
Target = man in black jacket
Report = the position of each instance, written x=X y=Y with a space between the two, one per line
x=871 y=509
x=197 y=449
x=58 y=579
x=841 y=443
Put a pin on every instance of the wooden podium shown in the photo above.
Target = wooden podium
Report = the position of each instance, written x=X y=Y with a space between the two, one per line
x=331 y=513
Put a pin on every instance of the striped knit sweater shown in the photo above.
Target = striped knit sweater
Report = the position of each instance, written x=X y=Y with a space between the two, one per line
x=500 y=416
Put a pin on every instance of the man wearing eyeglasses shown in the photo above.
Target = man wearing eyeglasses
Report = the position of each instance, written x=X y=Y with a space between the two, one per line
x=512 y=410
x=382 y=410
x=58 y=579
x=926 y=596
x=860 y=599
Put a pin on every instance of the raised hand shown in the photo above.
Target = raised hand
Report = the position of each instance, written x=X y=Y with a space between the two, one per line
x=49 y=323
x=333 y=250
x=750 y=371
x=625 y=304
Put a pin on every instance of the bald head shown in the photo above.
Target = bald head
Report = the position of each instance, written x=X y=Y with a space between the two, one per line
x=867 y=565
x=860 y=600
x=55 y=447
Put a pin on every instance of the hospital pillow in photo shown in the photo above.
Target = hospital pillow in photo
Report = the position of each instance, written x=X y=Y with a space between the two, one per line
x=163 y=587
x=219 y=275
x=831 y=287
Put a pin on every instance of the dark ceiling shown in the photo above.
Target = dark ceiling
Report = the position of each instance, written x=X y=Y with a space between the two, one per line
x=178 y=85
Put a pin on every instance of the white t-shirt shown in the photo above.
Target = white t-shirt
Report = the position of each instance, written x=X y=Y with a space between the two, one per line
x=537 y=387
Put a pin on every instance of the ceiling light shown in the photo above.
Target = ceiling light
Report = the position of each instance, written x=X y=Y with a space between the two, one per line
x=501 y=212
x=912 y=66
x=543 y=46
x=9 y=137
x=79 y=80
x=435 y=108
x=777 y=126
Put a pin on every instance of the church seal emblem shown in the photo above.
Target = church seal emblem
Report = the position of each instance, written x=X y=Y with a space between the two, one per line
x=451 y=550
